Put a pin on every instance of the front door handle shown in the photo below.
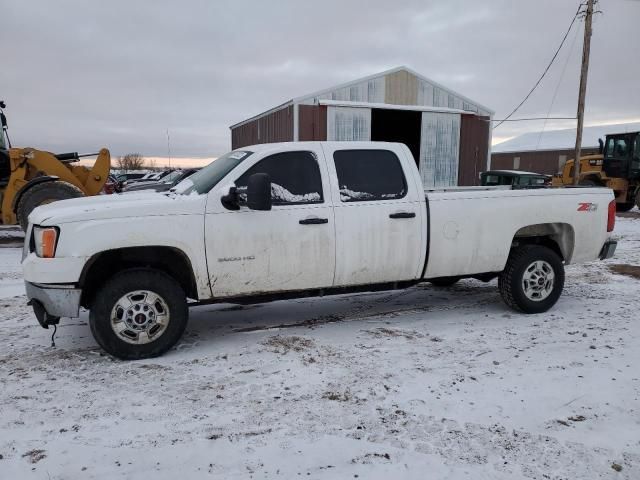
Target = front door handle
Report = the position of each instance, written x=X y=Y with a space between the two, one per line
x=403 y=215
x=313 y=221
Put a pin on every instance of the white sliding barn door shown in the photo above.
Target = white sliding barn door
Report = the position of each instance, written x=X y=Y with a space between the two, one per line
x=348 y=124
x=439 y=149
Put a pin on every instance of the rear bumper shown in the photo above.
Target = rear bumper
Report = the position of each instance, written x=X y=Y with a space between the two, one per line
x=50 y=302
x=608 y=249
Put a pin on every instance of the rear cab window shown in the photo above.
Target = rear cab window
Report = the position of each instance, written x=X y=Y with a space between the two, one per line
x=369 y=175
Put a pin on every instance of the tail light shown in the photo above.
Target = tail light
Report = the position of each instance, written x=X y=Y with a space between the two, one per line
x=611 y=219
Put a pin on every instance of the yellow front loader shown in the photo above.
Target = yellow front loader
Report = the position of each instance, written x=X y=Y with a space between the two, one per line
x=30 y=178
x=617 y=167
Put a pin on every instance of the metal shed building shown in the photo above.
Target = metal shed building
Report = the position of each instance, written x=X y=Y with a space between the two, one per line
x=448 y=134
x=547 y=152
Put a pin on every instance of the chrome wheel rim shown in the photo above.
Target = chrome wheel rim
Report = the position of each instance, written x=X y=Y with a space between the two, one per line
x=538 y=280
x=140 y=317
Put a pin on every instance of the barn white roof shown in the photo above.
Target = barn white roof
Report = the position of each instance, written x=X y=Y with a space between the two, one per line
x=561 y=139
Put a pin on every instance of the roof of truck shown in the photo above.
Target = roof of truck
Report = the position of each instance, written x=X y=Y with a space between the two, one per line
x=300 y=145
x=513 y=172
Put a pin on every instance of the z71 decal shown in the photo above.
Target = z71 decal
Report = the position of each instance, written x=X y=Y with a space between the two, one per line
x=587 y=207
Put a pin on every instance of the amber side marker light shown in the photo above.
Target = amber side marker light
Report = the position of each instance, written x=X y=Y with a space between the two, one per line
x=49 y=237
x=45 y=241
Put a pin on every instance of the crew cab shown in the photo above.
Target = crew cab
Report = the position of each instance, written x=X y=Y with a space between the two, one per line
x=286 y=220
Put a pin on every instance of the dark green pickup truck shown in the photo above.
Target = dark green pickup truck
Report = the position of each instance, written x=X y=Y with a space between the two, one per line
x=515 y=178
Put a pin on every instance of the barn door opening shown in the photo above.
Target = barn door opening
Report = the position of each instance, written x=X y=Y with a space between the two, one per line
x=397 y=126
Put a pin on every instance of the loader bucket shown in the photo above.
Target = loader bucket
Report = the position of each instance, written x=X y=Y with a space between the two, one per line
x=99 y=172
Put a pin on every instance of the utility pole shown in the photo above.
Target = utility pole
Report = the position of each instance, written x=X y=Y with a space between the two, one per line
x=586 y=50
x=169 y=147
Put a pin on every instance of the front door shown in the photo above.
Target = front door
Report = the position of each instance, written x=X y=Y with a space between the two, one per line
x=379 y=215
x=290 y=247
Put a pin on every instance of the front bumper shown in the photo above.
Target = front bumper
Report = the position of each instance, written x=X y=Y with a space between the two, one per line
x=608 y=249
x=50 y=302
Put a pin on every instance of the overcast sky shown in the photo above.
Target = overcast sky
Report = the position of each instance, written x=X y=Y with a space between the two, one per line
x=77 y=75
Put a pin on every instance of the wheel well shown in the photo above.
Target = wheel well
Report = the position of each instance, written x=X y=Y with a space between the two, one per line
x=104 y=265
x=559 y=237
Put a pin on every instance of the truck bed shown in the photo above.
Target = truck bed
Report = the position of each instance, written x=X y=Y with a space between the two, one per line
x=466 y=221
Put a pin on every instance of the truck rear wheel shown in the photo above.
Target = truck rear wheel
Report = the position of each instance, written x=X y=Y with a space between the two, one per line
x=139 y=313
x=41 y=194
x=532 y=280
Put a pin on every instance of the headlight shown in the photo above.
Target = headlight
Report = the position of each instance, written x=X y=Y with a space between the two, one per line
x=45 y=239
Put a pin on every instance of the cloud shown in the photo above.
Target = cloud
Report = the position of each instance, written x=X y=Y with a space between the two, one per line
x=78 y=75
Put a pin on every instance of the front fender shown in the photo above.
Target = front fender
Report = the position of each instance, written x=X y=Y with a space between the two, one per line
x=184 y=233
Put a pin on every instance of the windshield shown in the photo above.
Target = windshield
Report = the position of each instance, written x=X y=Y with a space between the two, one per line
x=204 y=180
x=172 y=176
x=616 y=148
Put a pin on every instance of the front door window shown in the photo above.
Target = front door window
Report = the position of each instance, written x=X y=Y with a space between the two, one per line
x=295 y=178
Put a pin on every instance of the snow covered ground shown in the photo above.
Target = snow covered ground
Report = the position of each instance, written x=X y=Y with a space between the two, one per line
x=11 y=283
x=422 y=383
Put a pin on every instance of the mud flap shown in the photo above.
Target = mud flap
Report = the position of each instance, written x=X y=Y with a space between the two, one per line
x=608 y=249
x=44 y=319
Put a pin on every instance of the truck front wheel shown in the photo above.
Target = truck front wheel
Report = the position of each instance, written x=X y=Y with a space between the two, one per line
x=139 y=313
x=532 y=280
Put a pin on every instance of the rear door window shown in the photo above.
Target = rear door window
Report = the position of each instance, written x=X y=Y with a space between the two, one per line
x=366 y=175
x=295 y=178
x=491 y=180
x=524 y=180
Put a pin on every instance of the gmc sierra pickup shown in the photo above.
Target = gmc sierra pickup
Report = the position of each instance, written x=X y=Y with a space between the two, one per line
x=298 y=219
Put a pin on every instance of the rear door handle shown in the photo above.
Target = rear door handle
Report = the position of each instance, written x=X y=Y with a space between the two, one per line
x=403 y=215
x=313 y=221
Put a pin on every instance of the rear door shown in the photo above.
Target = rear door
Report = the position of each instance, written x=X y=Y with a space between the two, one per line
x=379 y=213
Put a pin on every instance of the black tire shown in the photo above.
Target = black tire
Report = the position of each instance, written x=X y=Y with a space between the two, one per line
x=624 y=207
x=510 y=281
x=126 y=282
x=443 y=282
x=41 y=194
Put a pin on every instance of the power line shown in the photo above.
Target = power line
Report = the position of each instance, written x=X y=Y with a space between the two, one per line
x=546 y=69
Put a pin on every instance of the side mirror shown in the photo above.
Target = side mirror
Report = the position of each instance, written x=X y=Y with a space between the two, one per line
x=231 y=201
x=259 y=192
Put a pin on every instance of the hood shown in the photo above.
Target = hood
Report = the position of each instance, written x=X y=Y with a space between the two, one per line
x=101 y=207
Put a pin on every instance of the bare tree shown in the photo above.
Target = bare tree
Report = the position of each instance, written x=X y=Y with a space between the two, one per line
x=131 y=161
x=151 y=165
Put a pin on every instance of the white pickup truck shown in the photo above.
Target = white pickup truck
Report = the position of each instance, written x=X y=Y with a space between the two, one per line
x=298 y=219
